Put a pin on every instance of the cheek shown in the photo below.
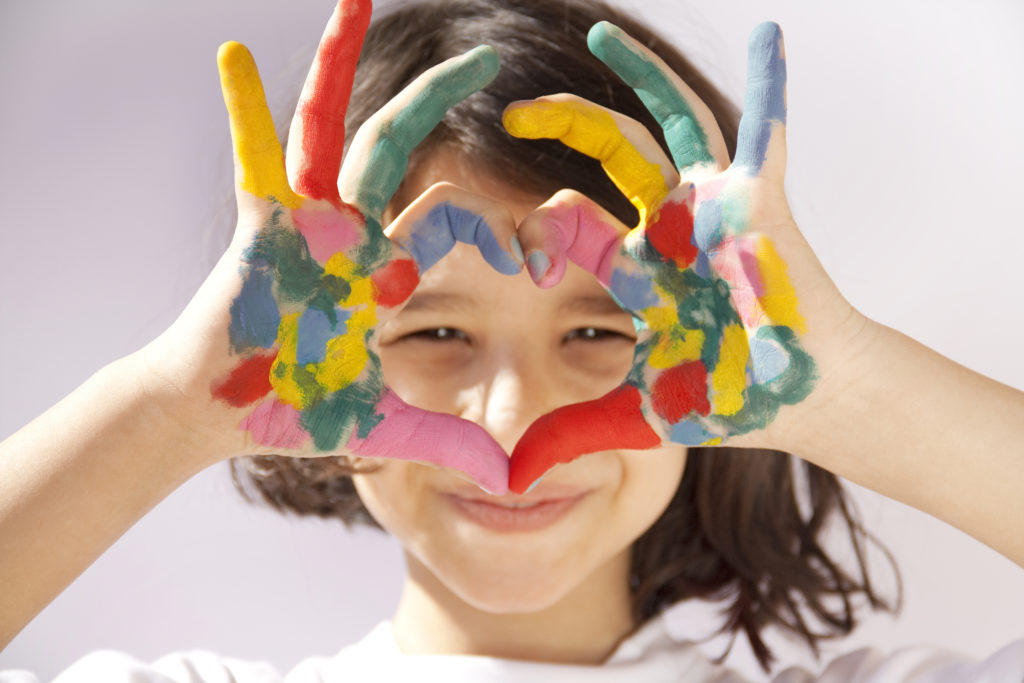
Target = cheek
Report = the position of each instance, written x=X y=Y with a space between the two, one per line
x=425 y=377
x=393 y=497
x=650 y=481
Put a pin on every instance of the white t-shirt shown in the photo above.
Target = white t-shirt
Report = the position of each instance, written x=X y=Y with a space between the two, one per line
x=649 y=655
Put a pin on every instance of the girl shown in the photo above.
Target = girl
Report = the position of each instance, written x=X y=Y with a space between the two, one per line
x=572 y=571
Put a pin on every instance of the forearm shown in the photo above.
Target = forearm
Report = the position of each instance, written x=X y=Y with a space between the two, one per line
x=920 y=428
x=75 y=479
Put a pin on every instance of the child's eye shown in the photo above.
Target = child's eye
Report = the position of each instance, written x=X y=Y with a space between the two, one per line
x=438 y=334
x=595 y=334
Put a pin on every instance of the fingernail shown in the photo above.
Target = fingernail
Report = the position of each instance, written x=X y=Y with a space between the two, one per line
x=538 y=263
x=517 y=249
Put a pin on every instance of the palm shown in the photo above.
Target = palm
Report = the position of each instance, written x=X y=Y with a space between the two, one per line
x=318 y=273
x=718 y=351
x=719 y=345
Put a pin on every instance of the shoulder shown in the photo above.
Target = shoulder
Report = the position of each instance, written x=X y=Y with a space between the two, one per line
x=198 y=666
x=915 y=665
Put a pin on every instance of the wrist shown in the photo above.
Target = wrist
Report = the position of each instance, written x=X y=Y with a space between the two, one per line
x=168 y=420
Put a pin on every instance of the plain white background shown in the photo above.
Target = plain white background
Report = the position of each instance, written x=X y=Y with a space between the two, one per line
x=904 y=172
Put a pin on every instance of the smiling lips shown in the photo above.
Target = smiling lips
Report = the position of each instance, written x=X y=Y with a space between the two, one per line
x=515 y=513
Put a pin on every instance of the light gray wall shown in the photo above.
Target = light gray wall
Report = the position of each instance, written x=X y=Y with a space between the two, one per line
x=905 y=172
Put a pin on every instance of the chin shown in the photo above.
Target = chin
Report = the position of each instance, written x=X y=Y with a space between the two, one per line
x=512 y=588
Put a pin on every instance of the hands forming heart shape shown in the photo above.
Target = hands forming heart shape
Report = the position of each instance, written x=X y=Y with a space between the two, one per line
x=718 y=350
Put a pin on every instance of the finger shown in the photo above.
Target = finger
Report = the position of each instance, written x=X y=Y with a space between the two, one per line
x=410 y=433
x=690 y=130
x=761 y=146
x=380 y=151
x=259 y=165
x=613 y=421
x=627 y=151
x=317 y=136
x=445 y=214
x=571 y=226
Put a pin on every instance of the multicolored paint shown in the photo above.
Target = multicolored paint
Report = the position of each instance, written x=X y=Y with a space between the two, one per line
x=717 y=317
x=319 y=271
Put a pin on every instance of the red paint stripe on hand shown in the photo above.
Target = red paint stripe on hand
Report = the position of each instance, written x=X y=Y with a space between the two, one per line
x=612 y=421
x=247 y=383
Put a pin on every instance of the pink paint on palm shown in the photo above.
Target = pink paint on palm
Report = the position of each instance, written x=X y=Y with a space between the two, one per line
x=735 y=261
x=584 y=238
x=411 y=433
x=327 y=232
x=275 y=424
x=709 y=190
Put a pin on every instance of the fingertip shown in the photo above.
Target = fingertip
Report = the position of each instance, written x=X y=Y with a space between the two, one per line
x=233 y=56
x=488 y=58
x=600 y=34
x=533 y=119
x=538 y=264
x=765 y=47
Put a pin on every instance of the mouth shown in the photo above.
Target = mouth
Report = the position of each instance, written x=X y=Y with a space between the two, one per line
x=515 y=514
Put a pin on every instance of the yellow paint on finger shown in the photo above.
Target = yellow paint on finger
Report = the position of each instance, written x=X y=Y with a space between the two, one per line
x=590 y=129
x=779 y=298
x=729 y=378
x=257 y=149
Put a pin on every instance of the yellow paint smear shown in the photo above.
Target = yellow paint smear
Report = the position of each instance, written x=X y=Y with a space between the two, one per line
x=676 y=345
x=257 y=149
x=779 y=300
x=591 y=130
x=729 y=378
x=346 y=355
x=281 y=377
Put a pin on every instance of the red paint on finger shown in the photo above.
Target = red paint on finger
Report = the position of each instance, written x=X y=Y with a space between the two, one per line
x=395 y=282
x=681 y=390
x=613 y=421
x=671 y=233
x=248 y=382
x=325 y=98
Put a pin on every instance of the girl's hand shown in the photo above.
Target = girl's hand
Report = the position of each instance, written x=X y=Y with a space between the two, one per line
x=712 y=273
x=289 y=314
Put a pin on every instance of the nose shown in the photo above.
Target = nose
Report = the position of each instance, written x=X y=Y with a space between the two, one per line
x=515 y=390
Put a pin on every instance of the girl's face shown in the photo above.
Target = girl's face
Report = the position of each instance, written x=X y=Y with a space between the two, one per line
x=500 y=352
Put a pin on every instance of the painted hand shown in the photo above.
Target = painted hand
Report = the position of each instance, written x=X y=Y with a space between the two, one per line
x=719 y=332
x=317 y=272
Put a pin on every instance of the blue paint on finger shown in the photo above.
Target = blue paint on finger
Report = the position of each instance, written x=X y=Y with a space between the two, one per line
x=764 y=104
x=435 y=234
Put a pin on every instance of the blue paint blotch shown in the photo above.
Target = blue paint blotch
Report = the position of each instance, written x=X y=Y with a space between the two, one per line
x=707 y=224
x=315 y=329
x=689 y=433
x=254 y=314
x=633 y=292
x=435 y=234
x=768 y=360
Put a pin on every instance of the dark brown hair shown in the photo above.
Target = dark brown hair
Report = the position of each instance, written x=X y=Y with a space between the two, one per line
x=746 y=526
